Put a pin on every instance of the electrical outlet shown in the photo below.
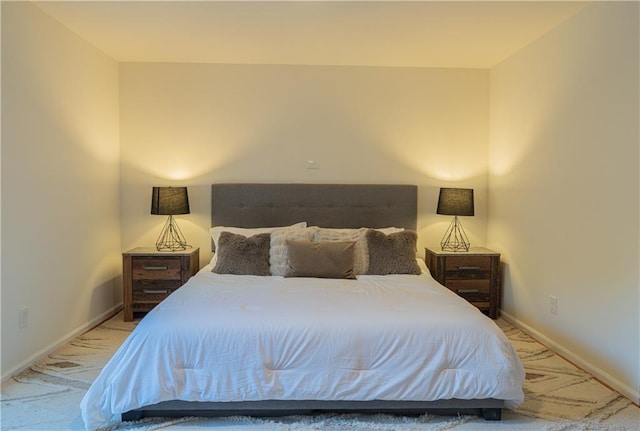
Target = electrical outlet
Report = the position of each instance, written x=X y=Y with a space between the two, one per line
x=312 y=164
x=23 y=318
x=553 y=305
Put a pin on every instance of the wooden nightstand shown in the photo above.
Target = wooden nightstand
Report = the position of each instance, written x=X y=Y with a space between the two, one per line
x=149 y=276
x=474 y=275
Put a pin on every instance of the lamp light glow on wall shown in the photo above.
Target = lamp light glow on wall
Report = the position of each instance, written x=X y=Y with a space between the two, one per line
x=170 y=201
x=455 y=202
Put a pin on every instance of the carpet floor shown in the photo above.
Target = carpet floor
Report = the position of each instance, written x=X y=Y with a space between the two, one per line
x=558 y=397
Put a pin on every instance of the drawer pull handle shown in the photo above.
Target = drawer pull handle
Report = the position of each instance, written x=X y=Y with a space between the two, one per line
x=468 y=290
x=155 y=291
x=468 y=268
x=155 y=268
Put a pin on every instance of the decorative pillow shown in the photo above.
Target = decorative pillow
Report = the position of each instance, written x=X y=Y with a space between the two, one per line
x=321 y=259
x=217 y=230
x=357 y=236
x=392 y=254
x=361 y=250
x=240 y=255
x=279 y=252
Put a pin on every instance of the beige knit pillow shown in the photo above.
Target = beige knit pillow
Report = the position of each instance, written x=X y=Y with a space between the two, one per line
x=279 y=252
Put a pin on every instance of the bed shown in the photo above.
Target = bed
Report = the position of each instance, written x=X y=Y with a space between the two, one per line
x=380 y=336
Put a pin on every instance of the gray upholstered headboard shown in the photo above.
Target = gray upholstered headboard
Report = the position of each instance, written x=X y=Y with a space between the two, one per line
x=325 y=205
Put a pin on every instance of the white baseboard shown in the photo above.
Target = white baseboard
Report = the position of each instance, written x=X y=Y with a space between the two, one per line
x=604 y=377
x=61 y=342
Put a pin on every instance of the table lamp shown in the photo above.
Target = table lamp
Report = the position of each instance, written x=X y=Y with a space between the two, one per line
x=170 y=201
x=455 y=202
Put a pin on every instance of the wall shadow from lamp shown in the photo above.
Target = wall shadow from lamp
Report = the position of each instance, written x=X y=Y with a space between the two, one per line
x=455 y=202
x=170 y=201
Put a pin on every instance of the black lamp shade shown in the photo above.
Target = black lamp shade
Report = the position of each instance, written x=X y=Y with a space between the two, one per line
x=169 y=201
x=457 y=202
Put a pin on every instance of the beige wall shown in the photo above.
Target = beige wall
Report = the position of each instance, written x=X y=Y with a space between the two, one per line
x=564 y=189
x=60 y=176
x=194 y=124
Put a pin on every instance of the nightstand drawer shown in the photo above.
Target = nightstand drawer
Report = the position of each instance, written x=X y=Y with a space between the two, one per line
x=154 y=291
x=462 y=286
x=467 y=268
x=472 y=293
x=468 y=274
x=468 y=264
x=149 y=268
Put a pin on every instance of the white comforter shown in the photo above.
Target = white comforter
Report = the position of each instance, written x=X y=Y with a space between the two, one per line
x=247 y=338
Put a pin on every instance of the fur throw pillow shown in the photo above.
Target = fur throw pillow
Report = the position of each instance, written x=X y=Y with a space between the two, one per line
x=392 y=254
x=240 y=255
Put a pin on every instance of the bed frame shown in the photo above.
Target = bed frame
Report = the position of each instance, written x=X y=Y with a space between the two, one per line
x=326 y=205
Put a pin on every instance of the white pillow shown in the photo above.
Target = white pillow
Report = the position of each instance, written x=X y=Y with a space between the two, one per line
x=360 y=249
x=279 y=252
x=390 y=230
x=217 y=230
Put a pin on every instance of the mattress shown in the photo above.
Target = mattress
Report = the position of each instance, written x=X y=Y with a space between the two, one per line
x=226 y=338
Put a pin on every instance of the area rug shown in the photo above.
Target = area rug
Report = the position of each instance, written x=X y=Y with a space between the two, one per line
x=558 y=397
